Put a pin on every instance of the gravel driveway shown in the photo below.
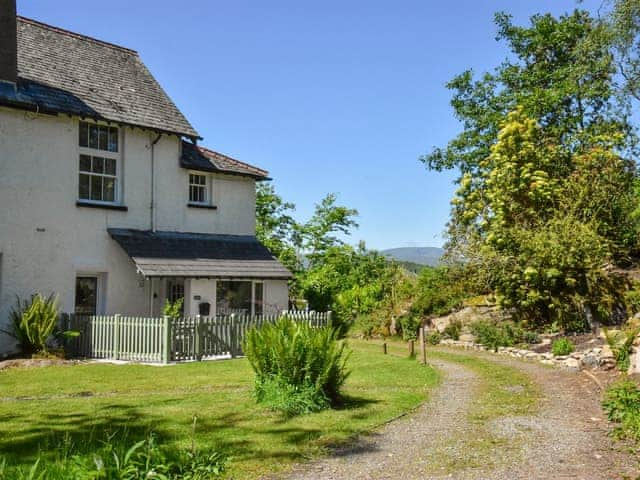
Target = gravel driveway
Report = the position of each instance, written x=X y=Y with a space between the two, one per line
x=565 y=439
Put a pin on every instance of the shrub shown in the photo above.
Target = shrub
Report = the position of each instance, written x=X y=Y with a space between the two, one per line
x=290 y=399
x=298 y=358
x=621 y=344
x=622 y=406
x=117 y=459
x=409 y=325
x=434 y=338
x=173 y=310
x=493 y=335
x=453 y=330
x=531 y=337
x=34 y=322
x=562 y=346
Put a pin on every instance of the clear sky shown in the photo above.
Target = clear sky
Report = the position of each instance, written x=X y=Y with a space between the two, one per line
x=329 y=96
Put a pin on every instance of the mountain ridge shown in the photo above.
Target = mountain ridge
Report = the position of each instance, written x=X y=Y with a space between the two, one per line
x=420 y=255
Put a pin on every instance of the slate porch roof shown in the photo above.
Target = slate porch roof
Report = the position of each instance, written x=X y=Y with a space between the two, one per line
x=65 y=72
x=173 y=254
x=196 y=157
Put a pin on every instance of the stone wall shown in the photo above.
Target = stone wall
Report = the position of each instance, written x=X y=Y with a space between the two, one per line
x=600 y=357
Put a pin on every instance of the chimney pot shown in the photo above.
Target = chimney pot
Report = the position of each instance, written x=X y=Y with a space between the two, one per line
x=8 y=41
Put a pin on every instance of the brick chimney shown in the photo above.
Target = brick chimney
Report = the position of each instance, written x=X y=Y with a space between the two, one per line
x=8 y=42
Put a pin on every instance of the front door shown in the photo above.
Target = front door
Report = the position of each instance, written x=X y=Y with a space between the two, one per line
x=86 y=295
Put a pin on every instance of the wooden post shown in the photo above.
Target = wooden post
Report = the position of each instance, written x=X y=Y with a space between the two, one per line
x=329 y=315
x=166 y=343
x=197 y=338
x=233 y=337
x=116 y=334
x=384 y=347
x=412 y=350
x=423 y=349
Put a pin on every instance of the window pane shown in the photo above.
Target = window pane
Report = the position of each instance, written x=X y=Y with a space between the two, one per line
x=83 y=187
x=98 y=165
x=104 y=138
x=85 y=163
x=84 y=135
x=96 y=187
x=109 y=192
x=110 y=166
x=233 y=297
x=113 y=139
x=202 y=180
x=93 y=136
x=86 y=295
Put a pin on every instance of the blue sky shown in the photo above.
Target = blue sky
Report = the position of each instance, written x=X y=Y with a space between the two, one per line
x=331 y=96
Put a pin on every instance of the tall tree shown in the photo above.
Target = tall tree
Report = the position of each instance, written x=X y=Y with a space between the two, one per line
x=321 y=232
x=560 y=73
x=275 y=226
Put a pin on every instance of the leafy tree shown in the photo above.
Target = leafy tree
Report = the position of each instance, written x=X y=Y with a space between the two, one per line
x=623 y=29
x=329 y=219
x=561 y=75
x=545 y=197
x=275 y=227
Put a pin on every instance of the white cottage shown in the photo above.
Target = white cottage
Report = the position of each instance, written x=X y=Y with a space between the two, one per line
x=105 y=197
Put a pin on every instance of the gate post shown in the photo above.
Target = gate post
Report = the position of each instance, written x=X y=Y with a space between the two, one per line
x=116 y=334
x=198 y=338
x=166 y=339
x=234 y=336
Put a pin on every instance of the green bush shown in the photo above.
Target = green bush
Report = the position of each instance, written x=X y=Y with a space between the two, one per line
x=117 y=459
x=34 y=322
x=621 y=344
x=531 y=337
x=494 y=335
x=562 y=346
x=434 y=338
x=298 y=358
x=453 y=330
x=622 y=406
x=409 y=324
x=290 y=399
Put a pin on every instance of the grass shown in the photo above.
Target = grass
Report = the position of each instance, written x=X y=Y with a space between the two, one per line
x=502 y=391
x=41 y=408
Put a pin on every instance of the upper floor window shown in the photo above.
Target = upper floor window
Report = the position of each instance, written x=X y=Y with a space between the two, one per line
x=198 y=188
x=99 y=163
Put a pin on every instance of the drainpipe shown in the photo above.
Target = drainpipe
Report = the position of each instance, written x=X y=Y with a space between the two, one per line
x=152 y=209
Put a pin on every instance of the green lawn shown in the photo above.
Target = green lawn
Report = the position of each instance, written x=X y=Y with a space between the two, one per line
x=42 y=408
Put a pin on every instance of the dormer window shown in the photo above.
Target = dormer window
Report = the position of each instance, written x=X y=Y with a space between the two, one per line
x=198 y=191
x=99 y=163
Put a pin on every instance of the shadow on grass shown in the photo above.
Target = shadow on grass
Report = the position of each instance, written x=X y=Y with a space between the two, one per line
x=239 y=435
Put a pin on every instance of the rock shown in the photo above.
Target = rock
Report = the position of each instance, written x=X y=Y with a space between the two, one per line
x=467 y=337
x=591 y=360
x=547 y=362
x=571 y=364
x=606 y=352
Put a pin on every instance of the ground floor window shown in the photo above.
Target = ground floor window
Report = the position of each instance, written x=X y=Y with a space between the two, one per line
x=239 y=297
x=86 y=295
x=175 y=290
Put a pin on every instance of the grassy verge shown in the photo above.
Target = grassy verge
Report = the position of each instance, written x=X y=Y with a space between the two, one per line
x=500 y=392
x=44 y=408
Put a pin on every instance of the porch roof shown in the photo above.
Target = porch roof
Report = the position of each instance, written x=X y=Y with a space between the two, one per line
x=175 y=254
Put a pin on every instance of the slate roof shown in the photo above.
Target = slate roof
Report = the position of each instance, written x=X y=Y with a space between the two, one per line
x=173 y=254
x=65 y=72
x=195 y=157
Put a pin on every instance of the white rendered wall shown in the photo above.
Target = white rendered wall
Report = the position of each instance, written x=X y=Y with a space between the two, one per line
x=46 y=240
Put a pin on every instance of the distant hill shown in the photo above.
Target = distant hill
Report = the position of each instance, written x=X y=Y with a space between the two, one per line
x=420 y=255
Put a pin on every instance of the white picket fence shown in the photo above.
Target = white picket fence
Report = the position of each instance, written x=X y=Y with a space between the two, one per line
x=162 y=339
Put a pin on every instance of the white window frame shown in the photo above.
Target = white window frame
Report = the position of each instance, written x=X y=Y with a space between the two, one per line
x=205 y=186
x=105 y=154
